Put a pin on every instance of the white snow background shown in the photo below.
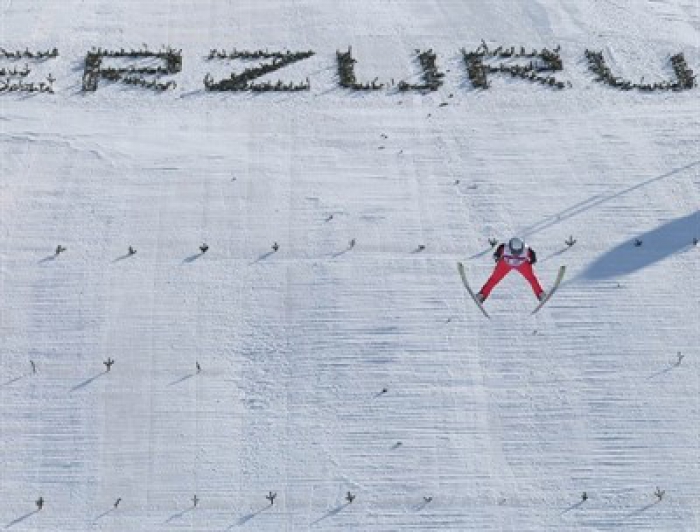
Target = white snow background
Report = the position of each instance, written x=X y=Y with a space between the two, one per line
x=504 y=422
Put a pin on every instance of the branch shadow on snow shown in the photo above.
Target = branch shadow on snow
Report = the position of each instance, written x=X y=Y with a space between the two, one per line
x=20 y=519
x=596 y=201
x=87 y=382
x=556 y=253
x=263 y=257
x=179 y=515
x=181 y=379
x=7 y=383
x=572 y=507
x=243 y=520
x=657 y=245
x=641 y=510
x=331 y=513
x=103 y=514
x=480 y=254
x=192 y=258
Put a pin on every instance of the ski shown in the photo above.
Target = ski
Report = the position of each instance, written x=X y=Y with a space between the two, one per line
x=557 y=282
x=460 y=267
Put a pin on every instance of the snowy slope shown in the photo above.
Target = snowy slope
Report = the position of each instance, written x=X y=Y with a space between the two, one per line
x=503 y=422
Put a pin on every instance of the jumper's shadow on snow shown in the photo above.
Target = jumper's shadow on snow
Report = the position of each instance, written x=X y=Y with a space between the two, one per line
x=87 y=382
x=50 y=258
x=658 y=244
x=596 y=201
x=123 y=257
x=20 y=519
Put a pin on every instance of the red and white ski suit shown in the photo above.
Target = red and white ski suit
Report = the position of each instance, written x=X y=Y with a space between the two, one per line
x=507 y=261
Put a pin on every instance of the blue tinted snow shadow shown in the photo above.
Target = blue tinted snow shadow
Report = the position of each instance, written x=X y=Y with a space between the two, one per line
x=657 y=245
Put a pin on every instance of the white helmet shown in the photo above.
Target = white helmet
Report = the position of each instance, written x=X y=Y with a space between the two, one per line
x=516 y=245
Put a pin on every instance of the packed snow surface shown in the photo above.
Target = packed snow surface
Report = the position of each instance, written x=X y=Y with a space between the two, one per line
x=327 y=367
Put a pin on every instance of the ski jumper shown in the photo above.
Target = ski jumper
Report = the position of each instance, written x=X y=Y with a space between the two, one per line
x=507 y=261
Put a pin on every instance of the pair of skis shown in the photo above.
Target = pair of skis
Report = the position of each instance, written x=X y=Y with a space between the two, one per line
x=557 y=282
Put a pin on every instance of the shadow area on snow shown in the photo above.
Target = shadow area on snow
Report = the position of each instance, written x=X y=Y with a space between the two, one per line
x=657 y=245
